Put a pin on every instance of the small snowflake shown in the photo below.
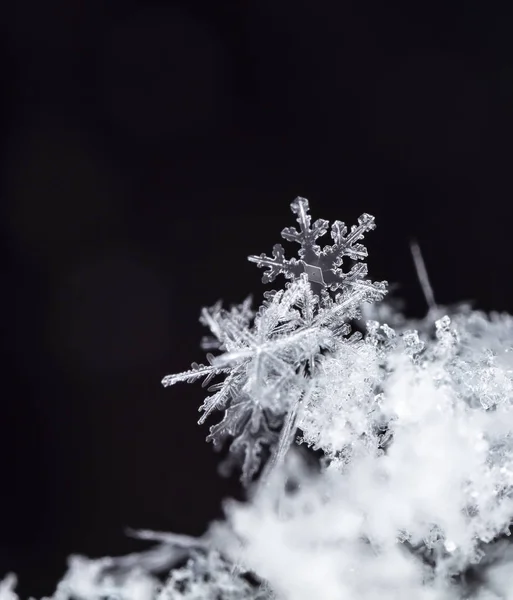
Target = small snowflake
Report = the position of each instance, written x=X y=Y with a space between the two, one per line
x=322 y=266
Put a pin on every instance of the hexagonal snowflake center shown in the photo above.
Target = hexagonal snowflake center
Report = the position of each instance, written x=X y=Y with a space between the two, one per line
x=314 y=273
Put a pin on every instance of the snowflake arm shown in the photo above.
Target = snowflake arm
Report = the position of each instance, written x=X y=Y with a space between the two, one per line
x=278 y=264
x=198 y=371
x=307 y=235
x=245 y=423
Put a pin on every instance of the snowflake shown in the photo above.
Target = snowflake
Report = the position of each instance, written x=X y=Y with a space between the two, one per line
x=264 y=367
x=322 y=266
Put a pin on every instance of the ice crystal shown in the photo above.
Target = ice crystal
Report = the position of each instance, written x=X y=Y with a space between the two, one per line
x=266 y=362
x=264 y=367
x=412 y=496
x=322 y=266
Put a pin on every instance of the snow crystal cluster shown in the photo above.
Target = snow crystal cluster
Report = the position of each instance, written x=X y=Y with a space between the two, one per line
x=377 y=453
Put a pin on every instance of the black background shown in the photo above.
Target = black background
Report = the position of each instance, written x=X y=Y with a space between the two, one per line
x=148 y=148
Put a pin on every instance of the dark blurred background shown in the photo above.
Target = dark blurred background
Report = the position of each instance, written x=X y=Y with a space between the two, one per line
x=148 y=148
